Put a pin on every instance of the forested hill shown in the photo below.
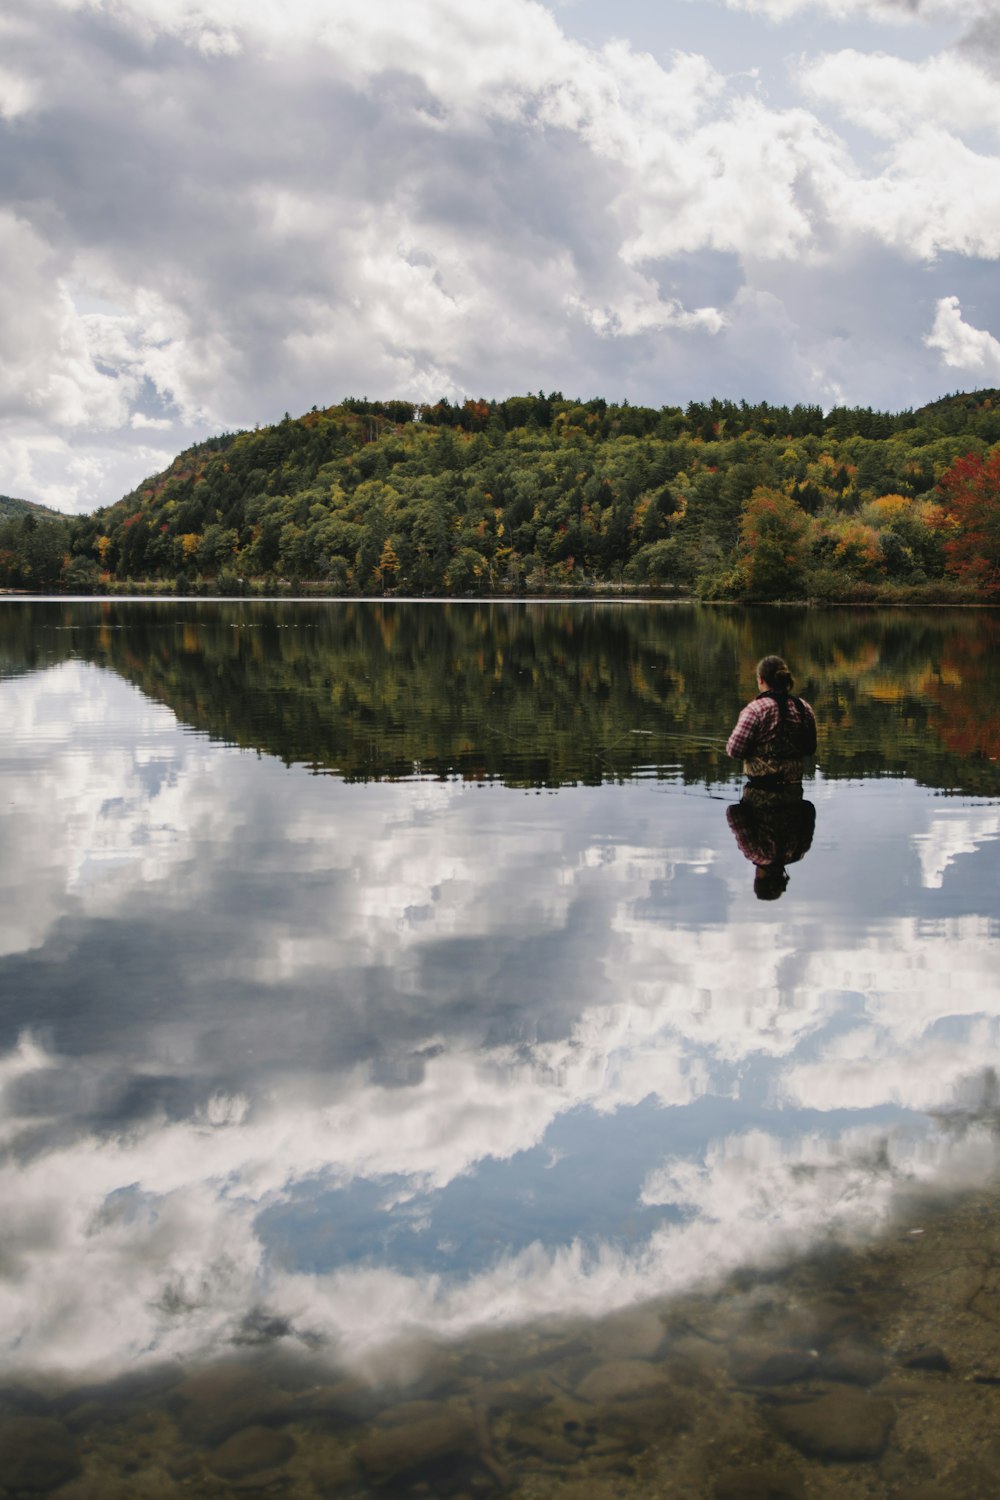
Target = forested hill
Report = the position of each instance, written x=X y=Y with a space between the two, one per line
x=541 y=493
x=11 y=509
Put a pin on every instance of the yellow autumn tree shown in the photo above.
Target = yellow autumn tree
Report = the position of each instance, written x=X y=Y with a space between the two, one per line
x=388 y=564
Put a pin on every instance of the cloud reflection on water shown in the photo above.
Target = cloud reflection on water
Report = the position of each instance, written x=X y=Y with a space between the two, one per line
x=267 y=1036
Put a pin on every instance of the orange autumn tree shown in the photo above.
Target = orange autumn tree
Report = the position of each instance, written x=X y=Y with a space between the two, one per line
x=774 y=534
x=970 y=520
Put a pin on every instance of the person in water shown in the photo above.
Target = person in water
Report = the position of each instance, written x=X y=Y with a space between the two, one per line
x=775 y=732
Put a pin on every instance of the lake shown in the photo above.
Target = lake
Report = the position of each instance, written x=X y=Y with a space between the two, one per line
x=411 y=1083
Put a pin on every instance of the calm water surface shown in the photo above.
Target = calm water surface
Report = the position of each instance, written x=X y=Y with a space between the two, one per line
x=388 y=984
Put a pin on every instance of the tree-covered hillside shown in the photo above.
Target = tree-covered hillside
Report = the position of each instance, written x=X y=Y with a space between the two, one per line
x=11 y=509
x=541 y=493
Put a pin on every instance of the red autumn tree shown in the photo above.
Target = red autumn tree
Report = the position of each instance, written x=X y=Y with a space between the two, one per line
x=970 y=492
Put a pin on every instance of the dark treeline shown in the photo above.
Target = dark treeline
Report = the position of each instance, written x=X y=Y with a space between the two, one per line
x=541 y=494
x=540 y=695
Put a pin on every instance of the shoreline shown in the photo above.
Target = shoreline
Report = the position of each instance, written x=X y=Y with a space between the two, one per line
x=635 y=595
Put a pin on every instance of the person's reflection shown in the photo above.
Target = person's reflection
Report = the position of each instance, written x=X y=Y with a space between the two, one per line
x=773 y=829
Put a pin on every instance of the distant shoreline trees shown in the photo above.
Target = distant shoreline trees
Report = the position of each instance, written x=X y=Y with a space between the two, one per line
x=541 y=494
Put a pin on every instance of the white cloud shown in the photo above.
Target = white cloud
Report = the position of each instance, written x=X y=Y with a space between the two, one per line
x=900 y=11
x=871 y=1067
x=935 y=194
x=962 y=346
x=953 y=834
x=75 y=473
x=54 y=371
x=750 y=182
x=153 y=341
x=891 y=95
x=143 y=423
x=91 y=804
x=17 y=95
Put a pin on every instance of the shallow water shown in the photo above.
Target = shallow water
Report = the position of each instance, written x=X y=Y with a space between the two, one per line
x=386 y=1001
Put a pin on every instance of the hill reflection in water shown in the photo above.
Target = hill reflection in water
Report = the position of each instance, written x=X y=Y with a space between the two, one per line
x=541 y=694
x=412 y=1050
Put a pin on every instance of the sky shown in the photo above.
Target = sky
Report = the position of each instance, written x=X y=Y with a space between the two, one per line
x=216 y=211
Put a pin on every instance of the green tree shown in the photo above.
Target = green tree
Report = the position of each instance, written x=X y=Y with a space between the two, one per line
x=43 y=546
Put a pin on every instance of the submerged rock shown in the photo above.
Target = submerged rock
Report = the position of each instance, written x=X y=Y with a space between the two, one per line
x=556 y=1447
x=21 y=1401
x=216 y=1402
x=250 y=1451
x=183 y=1466
x=527 y=1393
x=852 y=1366
x=830 y=1320
x=406 y=1413
x=647 y=1419
x=342 y=1404
x=968 y=1480
x=101 y=1489
x=759 y=1484
x=927 y=1357
x=593 y=1487
x=770 y=1367
x=331 y=1467
x=986 y=1302
x=36 y=1454
x=409 y=1448
x=634 y=1333
x=840 y=1427
x=621 y=1380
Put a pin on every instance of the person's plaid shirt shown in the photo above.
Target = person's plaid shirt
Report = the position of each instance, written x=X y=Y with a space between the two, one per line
x=757 y=726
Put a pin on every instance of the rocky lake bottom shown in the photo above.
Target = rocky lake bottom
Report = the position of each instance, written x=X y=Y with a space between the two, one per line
x=870 y=1371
